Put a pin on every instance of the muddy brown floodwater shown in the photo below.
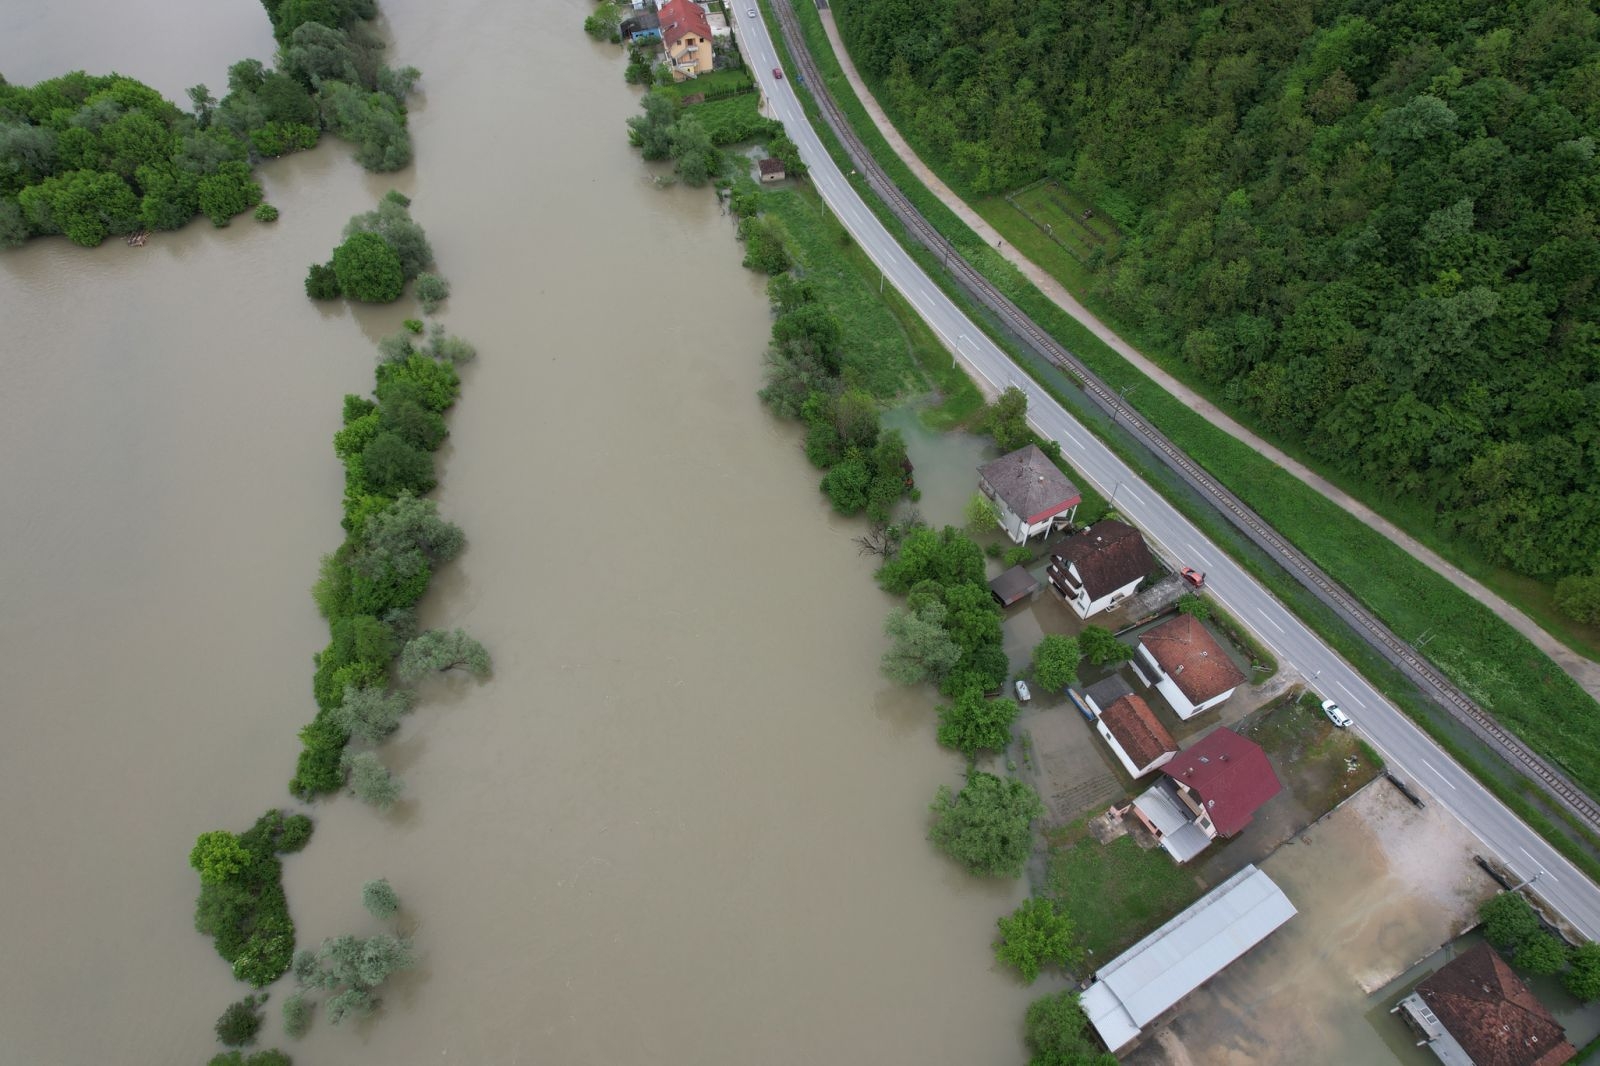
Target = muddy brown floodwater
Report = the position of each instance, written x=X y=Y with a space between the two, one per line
x=685 y=821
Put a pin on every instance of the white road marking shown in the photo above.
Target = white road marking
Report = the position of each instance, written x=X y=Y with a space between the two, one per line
x=1435 y=769
x=1270 y=622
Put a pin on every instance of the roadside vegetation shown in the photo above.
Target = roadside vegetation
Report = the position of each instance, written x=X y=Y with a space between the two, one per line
x=90 y=157
x=1514 y=928
x=1465 y=640
x=1364 y=141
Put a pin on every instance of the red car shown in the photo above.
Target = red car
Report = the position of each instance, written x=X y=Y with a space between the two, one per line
x=777 y=72
x=1193 y=577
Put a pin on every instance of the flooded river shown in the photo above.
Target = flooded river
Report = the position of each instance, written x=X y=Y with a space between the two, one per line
x=685 y=821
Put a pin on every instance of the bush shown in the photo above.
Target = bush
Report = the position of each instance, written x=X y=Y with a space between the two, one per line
x=322 y=283
x=1055 y=1033
x=228 y=192
x=438 y=651
x=266 y=213
x=1055 y=662
x=1578 y=597
x=296 y=833
x=368 y=269
x=1582 y=979
x=1540 y=954
x=1192 y=605
x=1021 y=555
x=1036 y=934
x=971 y=723
x=296 y=1012
x=371 y=781
x=380 y=899
x=1101 y=647
x=985 y=826
x=432 y=290
x=1508 y=920
x=219 y=857
x=241 y=1022
x=412 y=325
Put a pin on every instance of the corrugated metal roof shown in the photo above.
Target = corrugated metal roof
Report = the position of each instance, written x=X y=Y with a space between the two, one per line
x=1182 y=955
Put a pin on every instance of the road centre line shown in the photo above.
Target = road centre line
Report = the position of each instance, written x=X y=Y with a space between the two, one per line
x=1435 y=769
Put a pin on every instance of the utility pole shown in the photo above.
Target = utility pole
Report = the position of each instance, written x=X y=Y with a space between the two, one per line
x=1122 y=394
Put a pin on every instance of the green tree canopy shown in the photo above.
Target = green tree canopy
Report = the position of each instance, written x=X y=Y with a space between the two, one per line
x=1037 y=934
x=438 y=650
x=219 y=857
x=971 y=724
x=1101 y=647
x=1508 y=919
x=368 y=269
x=921 y=649
x=985 y=826
x=1056 y=1033
x=1055 y=662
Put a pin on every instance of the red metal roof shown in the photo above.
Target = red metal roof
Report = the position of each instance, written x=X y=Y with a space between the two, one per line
x=1230 y=774
x=680 y=17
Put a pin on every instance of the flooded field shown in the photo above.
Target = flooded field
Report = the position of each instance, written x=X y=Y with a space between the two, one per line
x=685 y=821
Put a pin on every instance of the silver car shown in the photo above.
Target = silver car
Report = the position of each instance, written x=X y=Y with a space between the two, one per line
x=1336 y=714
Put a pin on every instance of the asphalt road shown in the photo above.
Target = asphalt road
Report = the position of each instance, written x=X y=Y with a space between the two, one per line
x=1407 y=750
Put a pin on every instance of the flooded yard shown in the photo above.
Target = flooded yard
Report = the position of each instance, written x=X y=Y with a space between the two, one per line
x=1378 y=885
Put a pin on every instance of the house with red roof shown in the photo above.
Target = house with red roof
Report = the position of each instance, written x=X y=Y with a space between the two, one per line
x=1139 y=741
x=1212 y=789
x=1097 y=568
x=1187 y=665
x=1030 y=493
x=1475 y=1012
x=686 y=35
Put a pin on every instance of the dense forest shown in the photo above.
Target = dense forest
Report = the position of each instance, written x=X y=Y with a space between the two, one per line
x=92 y=156
x=1370 y=223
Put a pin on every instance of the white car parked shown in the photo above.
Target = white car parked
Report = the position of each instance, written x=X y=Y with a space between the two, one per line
x=1022 y=691
x=1336 y=714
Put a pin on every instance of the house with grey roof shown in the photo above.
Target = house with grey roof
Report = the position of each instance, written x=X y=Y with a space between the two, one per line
x=1031 y=495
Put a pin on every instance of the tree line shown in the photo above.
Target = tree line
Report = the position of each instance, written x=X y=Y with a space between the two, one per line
x=1370 y=225
x=89 y=157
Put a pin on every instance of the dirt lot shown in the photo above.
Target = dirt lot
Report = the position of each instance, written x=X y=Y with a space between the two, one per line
x=1378 y=884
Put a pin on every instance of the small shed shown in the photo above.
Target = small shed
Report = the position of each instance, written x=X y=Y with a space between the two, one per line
x=772 y=170
x=1013 y=586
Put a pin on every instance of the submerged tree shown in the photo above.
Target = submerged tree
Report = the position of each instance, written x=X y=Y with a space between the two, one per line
x=438 y=650
x=372 y=782
x=380 y=898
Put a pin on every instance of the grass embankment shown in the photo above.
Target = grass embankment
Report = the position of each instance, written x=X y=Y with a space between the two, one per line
x=1477 y=649
x=887 y=342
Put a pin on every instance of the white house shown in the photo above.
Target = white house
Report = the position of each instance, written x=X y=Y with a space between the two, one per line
x=1187 y=665
x=1134 y=735
x=1097 y=568
x=1031 y=494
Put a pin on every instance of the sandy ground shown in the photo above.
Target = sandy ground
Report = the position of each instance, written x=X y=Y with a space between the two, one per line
x=1378 y=885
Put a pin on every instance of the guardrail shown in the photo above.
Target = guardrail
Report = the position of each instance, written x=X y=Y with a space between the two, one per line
x=1455 y=702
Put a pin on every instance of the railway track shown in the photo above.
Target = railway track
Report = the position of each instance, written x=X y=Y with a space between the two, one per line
x=1455 y=702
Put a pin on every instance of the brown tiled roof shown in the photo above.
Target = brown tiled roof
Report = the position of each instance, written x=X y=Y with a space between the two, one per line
x=1492 y=1014
x=1108 y=555
x=1030 y=484
x=1134 y=724
x=1191 y=656
x=1230 y=774
x=679 y=17
x=771 y=166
